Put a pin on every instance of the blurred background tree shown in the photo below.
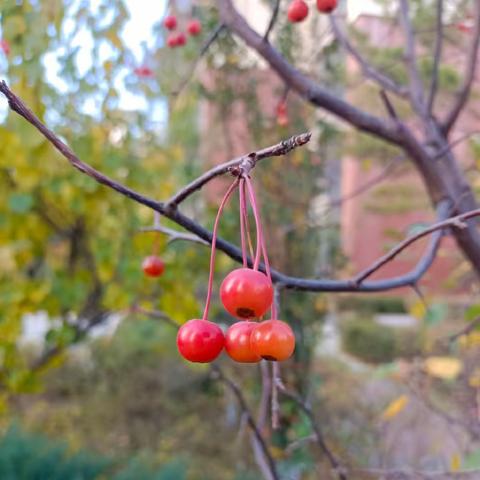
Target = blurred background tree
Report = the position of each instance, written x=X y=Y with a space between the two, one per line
x=81 y=363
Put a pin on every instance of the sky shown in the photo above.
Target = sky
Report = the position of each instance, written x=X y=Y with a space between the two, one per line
x=138 y=32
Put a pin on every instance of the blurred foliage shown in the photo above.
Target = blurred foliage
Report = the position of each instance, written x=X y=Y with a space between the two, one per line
x=71 y=249
x=376 y=343
x=27 y=456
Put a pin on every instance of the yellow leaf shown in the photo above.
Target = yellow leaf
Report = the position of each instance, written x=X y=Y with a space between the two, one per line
x=395 y=407
x=446 y=368
x=474 y=380
x=418 y=310
x=455 y=463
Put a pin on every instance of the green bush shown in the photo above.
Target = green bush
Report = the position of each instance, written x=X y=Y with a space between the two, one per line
x=25 y=456
x=376 y=343
x=373 y=304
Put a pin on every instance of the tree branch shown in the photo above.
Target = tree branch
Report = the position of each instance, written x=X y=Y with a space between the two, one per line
x=206 y=46
x=235 y=389
x=245 y=161
x=284 y=281
x=469 y=77
x=335 y=464
x=416 y=87
x=436 y=58
x=175 y=235
x=368 y=69
x=305 y=87
x=273 y=19
x=443 y=210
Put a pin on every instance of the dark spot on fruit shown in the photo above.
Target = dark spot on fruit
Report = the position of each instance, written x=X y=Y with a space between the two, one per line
x=269 y=358
x=245 y=312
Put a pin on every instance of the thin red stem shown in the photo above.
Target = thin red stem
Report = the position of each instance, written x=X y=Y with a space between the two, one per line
x=241 y=193
x=214 y=243
x=258 y=224
x=247 y=223
x=156 y=237
x=260 y=239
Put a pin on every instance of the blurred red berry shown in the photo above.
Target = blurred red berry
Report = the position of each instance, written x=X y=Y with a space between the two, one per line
x=297 y=11
x=326 y=6
x=170 y=22
x=4 y=47
x=194 y=27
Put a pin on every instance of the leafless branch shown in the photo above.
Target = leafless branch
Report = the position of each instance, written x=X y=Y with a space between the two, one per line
x=272 y=21
x=205 y=47
x=443 y=210
x=304 y=86
x=384 y=474
x=368 y=69
x=282 y=280
x=156 y=314
x=464 y=331
x=469 y=77
x=436 y=58
x=416 y=87
x=175 y=235
x=339 y=470
x=259 y=440
x=250 y=159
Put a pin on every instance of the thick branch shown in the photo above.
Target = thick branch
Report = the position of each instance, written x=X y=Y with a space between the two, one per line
x=307 y=88
x=436 y=58
x=231 y=250
x=368 y=69
x=469 y=77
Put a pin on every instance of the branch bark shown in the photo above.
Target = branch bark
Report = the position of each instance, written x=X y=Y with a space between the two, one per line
x=436 y=58
x=233 y=251
x=305 y=87
x=464 y=93
x=368 y=69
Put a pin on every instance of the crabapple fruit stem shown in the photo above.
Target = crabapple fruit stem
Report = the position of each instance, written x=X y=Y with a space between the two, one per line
x=260 y=239
x=241 y=194
x=214 y=242
x=258 y=224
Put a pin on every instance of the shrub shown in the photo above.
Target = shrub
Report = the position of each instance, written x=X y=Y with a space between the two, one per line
x=375 y=343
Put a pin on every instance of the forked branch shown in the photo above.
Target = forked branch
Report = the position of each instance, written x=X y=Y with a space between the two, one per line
x=170 y=211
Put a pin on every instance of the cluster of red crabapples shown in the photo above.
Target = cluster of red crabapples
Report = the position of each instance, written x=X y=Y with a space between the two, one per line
x=247 y=294
x=298 y=9
x=179 y=39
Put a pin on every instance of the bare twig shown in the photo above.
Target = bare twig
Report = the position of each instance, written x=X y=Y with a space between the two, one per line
x=205 y=47
x=273 y=19
x=175 y=235
x=284 y=281
x=232 y=166
x=464 y=331
x=436 y=58
x=469 y=77
x=368 y=69
x=335 y=464
x=443 y=210
x=416 y=87
x=304 y=86
x=235 y=389
x=384 y=474
x=156 y=314
x=275 y=403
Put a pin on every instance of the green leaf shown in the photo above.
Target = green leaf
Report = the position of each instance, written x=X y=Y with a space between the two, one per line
x=20 y=202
